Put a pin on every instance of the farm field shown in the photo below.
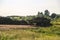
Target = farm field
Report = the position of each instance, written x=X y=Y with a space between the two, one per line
x=27 y=32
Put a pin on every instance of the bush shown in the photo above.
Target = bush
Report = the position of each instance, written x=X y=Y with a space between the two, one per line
x=42 y=21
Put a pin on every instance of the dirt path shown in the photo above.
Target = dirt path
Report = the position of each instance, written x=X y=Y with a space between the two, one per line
x=15 y=26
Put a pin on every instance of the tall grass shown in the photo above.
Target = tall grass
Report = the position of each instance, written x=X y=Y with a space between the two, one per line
x=41 y=33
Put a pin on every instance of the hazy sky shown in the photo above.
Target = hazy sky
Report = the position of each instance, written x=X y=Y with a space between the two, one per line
x=28 y=7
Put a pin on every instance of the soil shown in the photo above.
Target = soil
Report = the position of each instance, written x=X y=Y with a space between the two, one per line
x=6 y=27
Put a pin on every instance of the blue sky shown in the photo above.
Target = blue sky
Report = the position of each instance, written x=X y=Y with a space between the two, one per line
x=28 y=7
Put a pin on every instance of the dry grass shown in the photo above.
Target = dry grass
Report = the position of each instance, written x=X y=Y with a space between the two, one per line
x=30 y=34
x=25 y=35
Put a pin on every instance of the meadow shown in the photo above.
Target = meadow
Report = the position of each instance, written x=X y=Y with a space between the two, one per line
x=39 y=33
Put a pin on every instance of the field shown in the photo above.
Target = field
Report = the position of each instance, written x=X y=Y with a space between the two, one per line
x=27 y=32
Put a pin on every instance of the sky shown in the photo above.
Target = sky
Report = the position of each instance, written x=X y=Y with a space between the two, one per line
x=28 y=7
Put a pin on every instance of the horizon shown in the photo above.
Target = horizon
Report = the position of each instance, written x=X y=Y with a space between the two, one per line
x=28 y=7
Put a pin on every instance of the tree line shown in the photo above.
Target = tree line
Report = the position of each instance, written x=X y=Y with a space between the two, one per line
x=41 y=19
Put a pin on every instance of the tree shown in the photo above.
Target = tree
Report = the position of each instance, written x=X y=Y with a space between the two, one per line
x=40 y=14
x=42 y=21
x=53 y=15
x=47 y=13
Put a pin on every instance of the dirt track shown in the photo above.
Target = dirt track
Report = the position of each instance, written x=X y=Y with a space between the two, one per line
x=15 y=26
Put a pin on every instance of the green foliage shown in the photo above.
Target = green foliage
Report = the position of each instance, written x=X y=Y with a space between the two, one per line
x=53 y=30
x=58 y=16
x=53 y=15
x=47 y=13
x=40 y=14
x=56 y=21
x=42 y=21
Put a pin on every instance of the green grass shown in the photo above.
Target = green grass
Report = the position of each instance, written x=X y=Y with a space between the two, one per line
x=41 y=33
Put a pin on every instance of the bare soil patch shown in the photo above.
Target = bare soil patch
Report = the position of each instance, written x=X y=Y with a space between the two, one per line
x=2 y=27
